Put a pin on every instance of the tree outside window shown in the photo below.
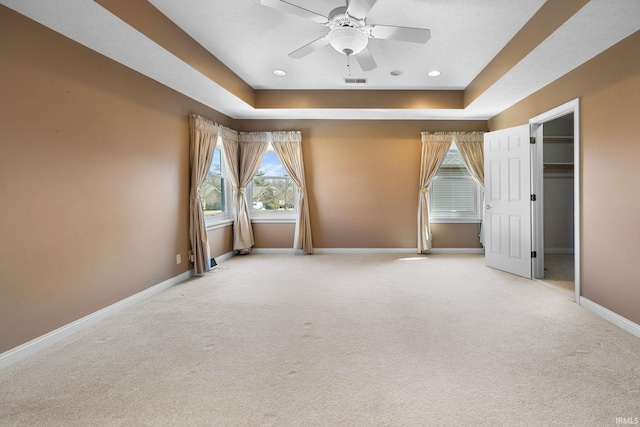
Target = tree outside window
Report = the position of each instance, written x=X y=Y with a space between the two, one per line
x=272 y=190
x=213 y=189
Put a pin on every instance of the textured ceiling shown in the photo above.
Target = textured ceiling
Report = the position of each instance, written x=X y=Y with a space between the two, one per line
x=252 y=40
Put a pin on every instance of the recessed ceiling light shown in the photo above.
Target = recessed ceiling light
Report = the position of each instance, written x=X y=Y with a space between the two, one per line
x=434 y=73
x=279 y=73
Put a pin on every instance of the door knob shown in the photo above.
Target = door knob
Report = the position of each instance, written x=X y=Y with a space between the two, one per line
x=488 y=206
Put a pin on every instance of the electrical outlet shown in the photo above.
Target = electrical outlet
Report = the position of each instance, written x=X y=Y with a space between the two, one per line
x=178 y=259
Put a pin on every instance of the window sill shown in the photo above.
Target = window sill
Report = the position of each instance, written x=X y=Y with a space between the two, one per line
x=273 y=220
x=455 y=220
x=212 y=224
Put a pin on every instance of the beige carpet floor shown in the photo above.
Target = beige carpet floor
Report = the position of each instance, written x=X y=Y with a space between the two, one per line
x=337 y=340
x=559 y=271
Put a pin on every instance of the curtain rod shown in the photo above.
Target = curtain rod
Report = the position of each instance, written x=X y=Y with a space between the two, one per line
x=211 y=122
x=454 y=133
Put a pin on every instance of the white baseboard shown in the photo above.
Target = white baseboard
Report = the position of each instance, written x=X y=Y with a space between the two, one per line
x=36 y=345
x=369 y=251
x=616 y=319
x=286 y=251
x=457 y=251
x=224 y=257
x=364 y=250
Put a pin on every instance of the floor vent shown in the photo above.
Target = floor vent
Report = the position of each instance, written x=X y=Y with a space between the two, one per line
x=350 y=80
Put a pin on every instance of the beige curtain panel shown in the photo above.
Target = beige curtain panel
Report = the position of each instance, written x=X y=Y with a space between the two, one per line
x=471 y=147
x=434 y=150
x=231 y=148
x=203 y=137
x=251 y=149
x=288 y=147
x=232 y=155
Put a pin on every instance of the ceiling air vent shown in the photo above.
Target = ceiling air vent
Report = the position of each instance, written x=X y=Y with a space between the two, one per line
x=349 y=80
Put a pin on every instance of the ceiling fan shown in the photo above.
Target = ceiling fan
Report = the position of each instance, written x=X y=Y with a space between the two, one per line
x=348 y=31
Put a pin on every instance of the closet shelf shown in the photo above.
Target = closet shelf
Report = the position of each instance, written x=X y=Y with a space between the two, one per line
x=568 y=166
x=558 y=138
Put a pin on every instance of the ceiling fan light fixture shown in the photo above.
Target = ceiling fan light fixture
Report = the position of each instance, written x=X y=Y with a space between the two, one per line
x=348 y=40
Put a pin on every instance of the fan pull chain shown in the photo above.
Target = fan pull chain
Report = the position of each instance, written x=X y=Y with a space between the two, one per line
x=349 y=65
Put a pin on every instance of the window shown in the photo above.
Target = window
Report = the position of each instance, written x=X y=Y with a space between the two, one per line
x=214 y=190
x=272 y=191
x=454 y=196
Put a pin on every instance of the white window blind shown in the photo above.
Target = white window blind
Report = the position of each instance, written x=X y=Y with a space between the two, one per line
x=453 y=193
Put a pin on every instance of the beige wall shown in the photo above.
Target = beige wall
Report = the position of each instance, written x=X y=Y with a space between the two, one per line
x=456 y=235
x=220 y=240
x=279 y=235
x=94 y=178
x=609 y=89
x=363 y=182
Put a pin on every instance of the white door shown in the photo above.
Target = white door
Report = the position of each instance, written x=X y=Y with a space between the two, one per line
x=507 y=211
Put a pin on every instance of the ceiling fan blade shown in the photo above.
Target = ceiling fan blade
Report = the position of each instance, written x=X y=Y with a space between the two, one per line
x=284 y=6
x=407 y=34
x=358 y=9
x=309 y=48
x=365 y=60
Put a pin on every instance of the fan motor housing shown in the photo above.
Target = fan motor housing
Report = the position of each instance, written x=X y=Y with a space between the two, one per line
x=347 y=35
x=340 y=18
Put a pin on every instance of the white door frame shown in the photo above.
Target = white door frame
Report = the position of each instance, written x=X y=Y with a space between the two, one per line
x=537 y=212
